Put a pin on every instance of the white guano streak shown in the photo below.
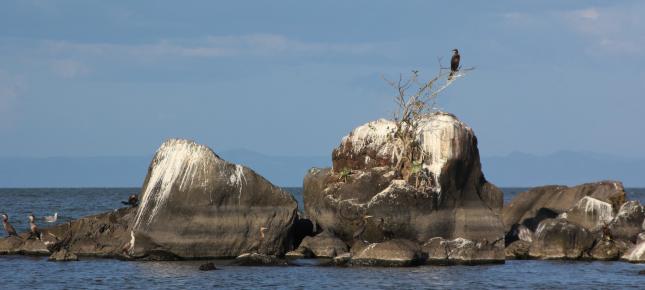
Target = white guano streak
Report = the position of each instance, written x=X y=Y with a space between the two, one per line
x=176 y=163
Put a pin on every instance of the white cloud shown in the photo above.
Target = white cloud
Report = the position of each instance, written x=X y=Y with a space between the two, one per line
x=212 y=46
x=69 y=69
x=10 y=89
x=613 y=29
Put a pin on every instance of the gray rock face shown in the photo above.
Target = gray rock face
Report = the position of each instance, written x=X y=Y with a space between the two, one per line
x=518 y=250
x=196 y=205
x=609 y=249
x=363 y=198
x=560 y=239
x=628 y=222
x=635 y=254
x=256 y=259
x=323 y=245
x=590 y=213
x=63 y=255
x=391 y=253
x=463 y=251
x=531 y=207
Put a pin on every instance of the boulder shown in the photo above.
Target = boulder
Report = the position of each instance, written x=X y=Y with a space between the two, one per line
x=256 y=259
x=363 y=197
x=518 y=250
x=635 y=254
x=628 y=222
x=391 y=253
x=462 y=251
x=609 y=249
x=531 y=207
x=323 y=245
x=196 y=205
x=560 y=239
x=342 y=260
x=63 y=255
x=590 y=213
x=210 y=266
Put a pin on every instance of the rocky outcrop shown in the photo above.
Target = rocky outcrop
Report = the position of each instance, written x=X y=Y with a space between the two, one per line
x=462 y=251
x=102 y=235
x=635 y=254
x=62 y=256
x=363 y=197
x=531 y=207
x=257 y=259
x=590 y=213
x=628 y=223
x=323 y=245
x=518 y=250
x=560 y=239
x=607 y=250
x=391 y=253
x=196 y=205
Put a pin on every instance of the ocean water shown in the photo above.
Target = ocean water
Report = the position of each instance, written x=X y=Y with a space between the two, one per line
x=18 y=272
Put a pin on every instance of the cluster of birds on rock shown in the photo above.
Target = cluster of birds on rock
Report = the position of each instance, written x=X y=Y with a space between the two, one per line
x=35 y=233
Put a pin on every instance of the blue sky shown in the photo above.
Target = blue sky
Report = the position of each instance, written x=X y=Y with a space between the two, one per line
x=103 y=78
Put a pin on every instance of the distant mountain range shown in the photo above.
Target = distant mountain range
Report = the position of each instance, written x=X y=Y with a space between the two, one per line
x=513 y=170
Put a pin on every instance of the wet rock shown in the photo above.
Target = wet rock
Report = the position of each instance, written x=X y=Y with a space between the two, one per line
x=609 y=249
x=392 y=253
x=635 y=254
x=463 y=251
x=342 y=260
x=323 y=245
x=63 y=255
x=364 y=198
x=560 y=239
x=628 y=222
x=531 y=207
x=10 y=245
x=590 y=213
x=518 y=250
x=299 y=253
x=216 y=209
x=256 y=259
x=210 y=266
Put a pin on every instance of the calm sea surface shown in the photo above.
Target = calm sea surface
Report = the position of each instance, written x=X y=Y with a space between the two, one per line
x=17 y=272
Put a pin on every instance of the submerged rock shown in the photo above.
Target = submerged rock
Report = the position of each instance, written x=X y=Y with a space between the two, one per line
x=364 y=198
x=392 y=253
x=196 y=205
x=463 y=251
x=63 y=255
x=257 y=259
x=210 y=266
x=560 y=239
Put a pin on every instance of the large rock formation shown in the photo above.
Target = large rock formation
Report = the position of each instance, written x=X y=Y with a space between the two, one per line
x=531 y=207
x=560 y=239
x=195 y=205
x=363 y=196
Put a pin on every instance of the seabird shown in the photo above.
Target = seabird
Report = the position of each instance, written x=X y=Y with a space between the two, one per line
x=34 y=232
x=51 y=218
x=7 y=226
x=454 y=63
x=133 y=201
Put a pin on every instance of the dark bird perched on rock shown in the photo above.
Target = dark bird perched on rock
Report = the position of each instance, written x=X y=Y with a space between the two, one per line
x=133 y=201
x=7 y=226
x=454 y=63
x=34 y=232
